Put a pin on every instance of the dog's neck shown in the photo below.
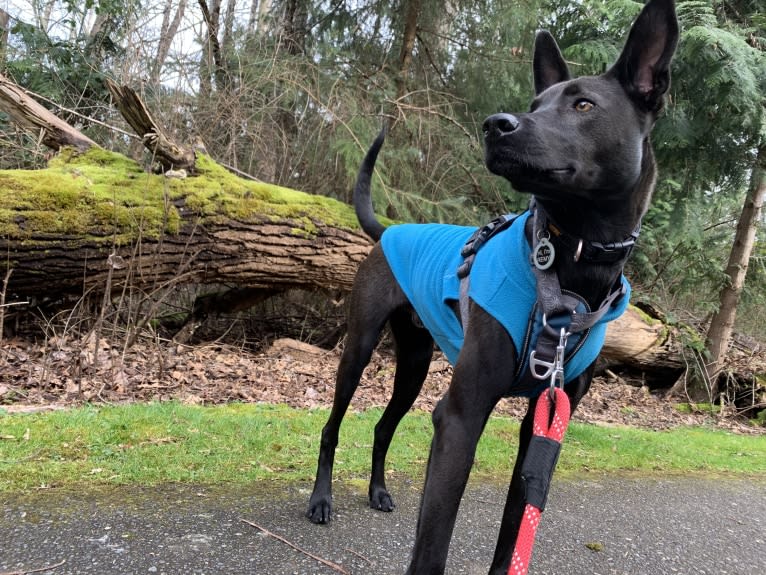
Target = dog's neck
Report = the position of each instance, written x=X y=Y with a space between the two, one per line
x=606 y=222
x=613 y=215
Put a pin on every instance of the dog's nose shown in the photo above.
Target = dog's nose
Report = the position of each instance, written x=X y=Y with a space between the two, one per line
x=499 y=125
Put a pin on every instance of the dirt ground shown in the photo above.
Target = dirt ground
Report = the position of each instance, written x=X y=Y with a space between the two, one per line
x=68 y=372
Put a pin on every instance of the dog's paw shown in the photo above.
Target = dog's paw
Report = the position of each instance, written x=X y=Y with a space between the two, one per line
x=381 y=500
x=319 y=510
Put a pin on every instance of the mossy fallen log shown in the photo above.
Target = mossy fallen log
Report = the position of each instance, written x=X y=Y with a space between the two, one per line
x=97 y=216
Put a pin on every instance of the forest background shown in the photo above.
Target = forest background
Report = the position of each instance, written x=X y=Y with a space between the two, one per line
x=292 y=92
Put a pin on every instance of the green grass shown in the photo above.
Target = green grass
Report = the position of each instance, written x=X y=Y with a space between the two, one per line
x=169 y=442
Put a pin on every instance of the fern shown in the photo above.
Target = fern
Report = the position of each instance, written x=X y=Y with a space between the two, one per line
x=594 y=55
x=693 y=13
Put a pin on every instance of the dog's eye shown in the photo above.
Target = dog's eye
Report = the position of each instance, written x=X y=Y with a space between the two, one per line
x=583 y=105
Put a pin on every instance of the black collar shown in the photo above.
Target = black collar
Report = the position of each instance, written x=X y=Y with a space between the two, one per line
x=591 y=251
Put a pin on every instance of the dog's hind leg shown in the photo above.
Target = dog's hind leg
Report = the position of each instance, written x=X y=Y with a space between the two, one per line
x=414 y=349
x=514 y=503
x=373 y=299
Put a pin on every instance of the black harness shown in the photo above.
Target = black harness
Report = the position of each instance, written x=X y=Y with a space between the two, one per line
x=557 y=314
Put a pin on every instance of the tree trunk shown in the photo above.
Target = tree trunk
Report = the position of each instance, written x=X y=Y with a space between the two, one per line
x=227 y=38
x=641 y=342
x=263 y=10
x=722 y=323
x=168 y=31
x=411 y=15
x=294 y=23
x=4 y=30
x=212 y=16
x=256 y=22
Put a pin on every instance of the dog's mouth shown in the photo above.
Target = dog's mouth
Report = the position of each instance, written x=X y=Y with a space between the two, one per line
x=527 y=175
x=511 y=165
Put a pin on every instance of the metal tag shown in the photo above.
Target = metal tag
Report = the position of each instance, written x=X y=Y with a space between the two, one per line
x=544 y=254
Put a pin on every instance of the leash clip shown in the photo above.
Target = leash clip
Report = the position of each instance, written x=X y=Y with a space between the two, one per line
x=557 y=371
x=554 y=370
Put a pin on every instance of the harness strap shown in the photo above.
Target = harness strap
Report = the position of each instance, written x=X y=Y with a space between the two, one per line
x=471 y=247
x=554 y=301
x=559 y=309
x=537 y=470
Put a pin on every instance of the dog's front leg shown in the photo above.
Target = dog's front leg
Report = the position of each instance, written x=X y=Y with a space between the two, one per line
x=515 y=502
x=481 y=377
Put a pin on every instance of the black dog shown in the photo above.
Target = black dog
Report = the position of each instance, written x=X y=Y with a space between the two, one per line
x=583 y=153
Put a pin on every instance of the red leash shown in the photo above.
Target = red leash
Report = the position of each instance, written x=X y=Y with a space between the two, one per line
x=537 y=470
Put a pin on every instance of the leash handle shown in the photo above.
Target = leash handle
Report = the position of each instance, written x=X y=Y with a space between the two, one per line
x=546 y=431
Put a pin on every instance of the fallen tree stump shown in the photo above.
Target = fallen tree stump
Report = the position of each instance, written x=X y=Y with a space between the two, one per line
x=642 y=342
x=97 y=217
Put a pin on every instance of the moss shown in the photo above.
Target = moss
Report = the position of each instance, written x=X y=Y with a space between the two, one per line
x=645 y=317
x=697 y=408
x=104 y=195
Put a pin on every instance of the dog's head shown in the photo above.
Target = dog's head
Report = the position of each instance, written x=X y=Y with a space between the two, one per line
x=587 y=137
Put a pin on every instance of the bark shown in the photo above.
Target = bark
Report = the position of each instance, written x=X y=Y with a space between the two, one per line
x=722 y=324
x=99 y=32
x=262 y=258
x=294 y=24
x=227 y=40
x=641 y=342
x=27 y=113
x=268 y=254
x=292 y=40
x=42 y=13
x=263 y=10
x=252 y=20
x=256 y=23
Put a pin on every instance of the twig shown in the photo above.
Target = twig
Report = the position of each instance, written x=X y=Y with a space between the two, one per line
x=39 y=570
x=362 y=557
x=2 y=300
x=239 y=172
x=330 y=564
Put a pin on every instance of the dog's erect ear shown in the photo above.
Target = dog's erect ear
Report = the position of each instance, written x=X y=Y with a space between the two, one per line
x=548 y=64
x=643 y=68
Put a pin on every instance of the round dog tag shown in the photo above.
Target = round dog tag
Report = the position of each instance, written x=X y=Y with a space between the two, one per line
x=544 y=254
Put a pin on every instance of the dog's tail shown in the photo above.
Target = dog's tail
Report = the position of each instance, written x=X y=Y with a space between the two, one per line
x=362 y=198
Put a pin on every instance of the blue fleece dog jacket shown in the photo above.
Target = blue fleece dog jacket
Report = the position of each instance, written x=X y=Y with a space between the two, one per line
x=424 y=259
